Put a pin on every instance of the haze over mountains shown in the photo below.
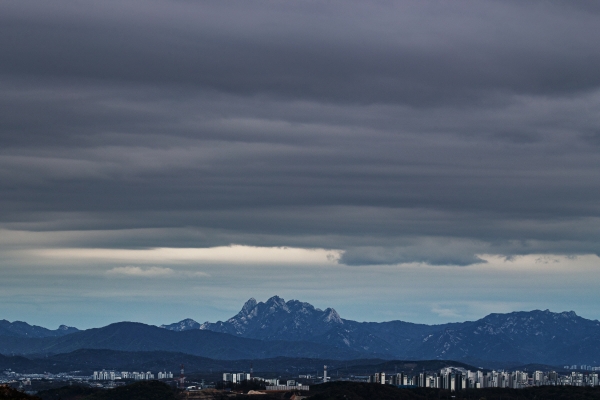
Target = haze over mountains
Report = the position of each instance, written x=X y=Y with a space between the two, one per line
x=277 y=328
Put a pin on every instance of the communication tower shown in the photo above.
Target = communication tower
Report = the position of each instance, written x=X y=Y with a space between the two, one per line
x=181 y=378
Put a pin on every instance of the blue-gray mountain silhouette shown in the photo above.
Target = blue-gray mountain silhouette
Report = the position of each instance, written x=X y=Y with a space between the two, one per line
x=525 y=337
x=19 y=328
x=296 y=329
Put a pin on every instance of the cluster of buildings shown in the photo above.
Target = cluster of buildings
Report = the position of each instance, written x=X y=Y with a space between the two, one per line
x=582 y=367
x=136 y=376
x=24 y=382
x=9 y=376
x=236 y=377
x=270 y=384
x=453 y=378
x=450 y=378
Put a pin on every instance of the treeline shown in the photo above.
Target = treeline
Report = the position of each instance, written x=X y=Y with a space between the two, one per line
x=370 y=391
x=150 y=390
x=154 y=390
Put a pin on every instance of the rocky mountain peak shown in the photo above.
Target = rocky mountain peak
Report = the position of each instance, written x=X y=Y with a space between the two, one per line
x=277 y=319
x=183 y=325
x=66 y=328
x=332 y=316
x=249 y=305
x=277 y=302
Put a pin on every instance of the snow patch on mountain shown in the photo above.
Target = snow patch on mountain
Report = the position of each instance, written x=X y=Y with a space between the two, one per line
x=184 y=325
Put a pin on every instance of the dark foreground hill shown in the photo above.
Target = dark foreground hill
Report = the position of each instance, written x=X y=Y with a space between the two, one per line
x=154 y=390
x=8 y=393
x=72 y=392
x=151 y=390
x=372 y=391
x=363 y=391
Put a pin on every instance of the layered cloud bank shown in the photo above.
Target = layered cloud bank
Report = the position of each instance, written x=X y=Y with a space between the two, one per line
x=336 y=134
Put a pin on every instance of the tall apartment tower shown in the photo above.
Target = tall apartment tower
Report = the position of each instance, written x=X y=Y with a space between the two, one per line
x=324 y=373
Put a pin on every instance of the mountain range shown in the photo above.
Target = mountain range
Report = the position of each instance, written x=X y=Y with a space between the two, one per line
x=277 y=328
x=132 y=336
x=520 y=337
x=19 y=328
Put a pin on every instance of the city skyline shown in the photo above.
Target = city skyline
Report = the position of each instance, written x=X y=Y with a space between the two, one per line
x=409 y=161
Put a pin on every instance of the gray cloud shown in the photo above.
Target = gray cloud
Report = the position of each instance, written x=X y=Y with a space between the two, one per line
x=422 y=55
x=395 y=132
x=430 y=251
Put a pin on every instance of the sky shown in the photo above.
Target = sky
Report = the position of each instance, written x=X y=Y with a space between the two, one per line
x=416 y=160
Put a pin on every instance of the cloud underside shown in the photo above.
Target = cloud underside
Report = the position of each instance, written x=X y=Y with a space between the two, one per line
x=393 y=133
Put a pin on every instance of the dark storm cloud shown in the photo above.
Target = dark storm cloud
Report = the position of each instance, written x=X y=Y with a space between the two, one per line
x=402 y=53
x=397 y=132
